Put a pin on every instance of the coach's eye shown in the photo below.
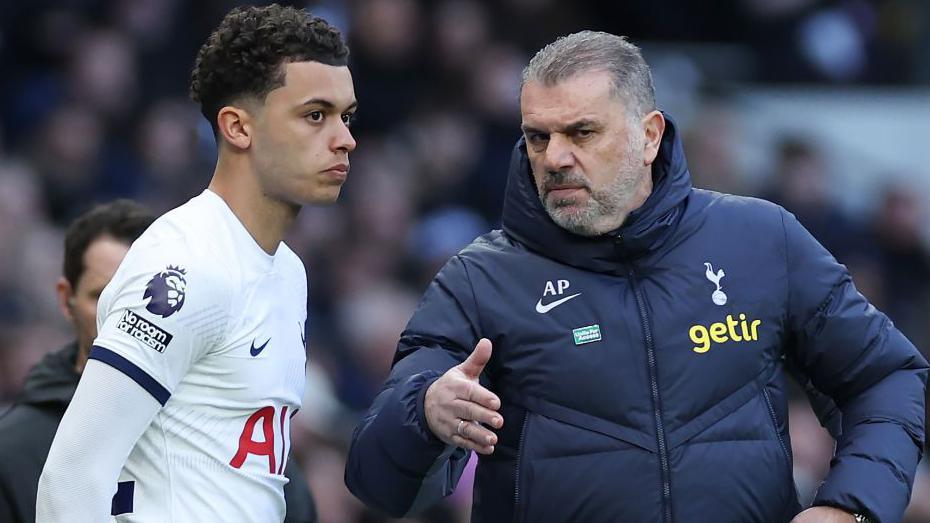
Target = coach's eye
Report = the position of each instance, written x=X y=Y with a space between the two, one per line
x=537 y=138
x=315 y=116
x=583 y=134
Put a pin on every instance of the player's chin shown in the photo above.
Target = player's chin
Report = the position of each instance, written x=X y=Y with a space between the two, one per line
x=322 y=195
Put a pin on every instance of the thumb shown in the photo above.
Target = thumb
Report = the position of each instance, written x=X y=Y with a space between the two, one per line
x=474 y=364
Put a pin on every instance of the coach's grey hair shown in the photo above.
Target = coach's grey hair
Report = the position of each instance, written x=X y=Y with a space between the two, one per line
x=589 y=51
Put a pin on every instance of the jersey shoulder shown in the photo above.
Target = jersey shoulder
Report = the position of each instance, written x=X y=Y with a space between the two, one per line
x=183 y=252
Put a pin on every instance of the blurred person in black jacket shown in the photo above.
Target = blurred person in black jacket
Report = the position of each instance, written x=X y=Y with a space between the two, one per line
x=95 y=244
x=801 y=185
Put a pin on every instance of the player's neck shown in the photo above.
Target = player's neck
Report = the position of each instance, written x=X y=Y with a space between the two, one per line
x=266 y=219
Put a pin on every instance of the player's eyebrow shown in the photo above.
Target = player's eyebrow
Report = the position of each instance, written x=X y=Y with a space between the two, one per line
x=326 y=104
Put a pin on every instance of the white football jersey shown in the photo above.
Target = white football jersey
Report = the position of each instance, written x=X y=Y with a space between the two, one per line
x=212 y=326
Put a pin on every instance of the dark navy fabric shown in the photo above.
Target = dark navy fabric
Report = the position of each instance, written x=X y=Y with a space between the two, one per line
x=147 y=382
x=679 y=411
x=123 y=499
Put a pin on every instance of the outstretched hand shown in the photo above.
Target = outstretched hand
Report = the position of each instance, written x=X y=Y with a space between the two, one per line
x=456 y=405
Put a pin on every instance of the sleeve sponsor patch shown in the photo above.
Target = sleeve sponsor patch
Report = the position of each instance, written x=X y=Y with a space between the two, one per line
x=144 y=331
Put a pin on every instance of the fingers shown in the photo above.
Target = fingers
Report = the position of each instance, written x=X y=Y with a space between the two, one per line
x=456 y=405
x=470 y=411
x=474 y=364
x=473 y=391
x=473 y=436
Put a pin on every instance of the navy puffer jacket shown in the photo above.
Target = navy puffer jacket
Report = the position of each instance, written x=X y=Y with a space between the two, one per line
x=641 y=372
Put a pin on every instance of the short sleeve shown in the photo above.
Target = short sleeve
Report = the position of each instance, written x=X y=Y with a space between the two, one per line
x=165 y=307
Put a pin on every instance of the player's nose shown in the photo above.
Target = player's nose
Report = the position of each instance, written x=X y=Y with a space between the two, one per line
x=344 y=141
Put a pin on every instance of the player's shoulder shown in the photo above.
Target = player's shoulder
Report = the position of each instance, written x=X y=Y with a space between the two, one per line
x=290 y=261
x=289 y=266
x=181 y=247
x=190 y=225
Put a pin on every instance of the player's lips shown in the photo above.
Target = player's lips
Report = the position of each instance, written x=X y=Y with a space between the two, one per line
x=338 y=171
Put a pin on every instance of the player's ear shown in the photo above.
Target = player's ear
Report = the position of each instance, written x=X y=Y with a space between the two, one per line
x=235 y=125
x=65 y=293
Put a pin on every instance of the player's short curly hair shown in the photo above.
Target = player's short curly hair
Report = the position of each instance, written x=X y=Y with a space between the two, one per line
x=244 y=56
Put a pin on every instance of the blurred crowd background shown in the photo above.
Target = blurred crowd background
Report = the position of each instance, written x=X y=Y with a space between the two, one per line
x=821 y=106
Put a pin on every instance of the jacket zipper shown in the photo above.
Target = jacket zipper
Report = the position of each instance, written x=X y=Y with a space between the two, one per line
x=654 y=380
x=517 y=509
x=781 y=441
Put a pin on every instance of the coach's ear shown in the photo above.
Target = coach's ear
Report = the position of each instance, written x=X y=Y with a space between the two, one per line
x=653 y=127
x=65 y=298
x=235 y=126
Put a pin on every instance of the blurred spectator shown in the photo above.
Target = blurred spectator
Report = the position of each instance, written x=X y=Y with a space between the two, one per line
x=460 y=27
x=171 y=171
x=104 y=75
x=439 y=236
x=21 y=211
x=386 y=42
x=94 y=247
x=370 y=344
x=711 y=151
x=802 y=184
x=904 y=261
x=67 y=153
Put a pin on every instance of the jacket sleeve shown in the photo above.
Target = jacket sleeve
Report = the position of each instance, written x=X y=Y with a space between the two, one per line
x=852 y=352
x=395 y=463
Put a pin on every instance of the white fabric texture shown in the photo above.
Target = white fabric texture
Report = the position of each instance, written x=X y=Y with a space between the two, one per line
x=107 y=415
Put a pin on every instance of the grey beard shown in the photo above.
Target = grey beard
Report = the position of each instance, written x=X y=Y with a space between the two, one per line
x=581 y=222
x=600 y=214
x=606 y=208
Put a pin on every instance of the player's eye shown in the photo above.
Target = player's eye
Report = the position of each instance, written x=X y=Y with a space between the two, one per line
x=315 y=116
x=348 y=119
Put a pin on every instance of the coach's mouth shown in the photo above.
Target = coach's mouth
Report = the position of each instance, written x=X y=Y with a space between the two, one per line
x=564 y=191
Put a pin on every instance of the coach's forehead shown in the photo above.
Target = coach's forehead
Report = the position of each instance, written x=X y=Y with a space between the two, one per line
x=581 y=96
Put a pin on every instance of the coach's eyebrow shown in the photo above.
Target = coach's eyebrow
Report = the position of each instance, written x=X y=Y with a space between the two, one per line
x=579 y=124
x=570 y=128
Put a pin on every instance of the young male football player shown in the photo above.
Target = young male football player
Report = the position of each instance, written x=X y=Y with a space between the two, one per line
x=182 y=413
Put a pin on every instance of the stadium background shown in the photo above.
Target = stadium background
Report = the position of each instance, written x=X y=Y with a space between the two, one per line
x=822 y=106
